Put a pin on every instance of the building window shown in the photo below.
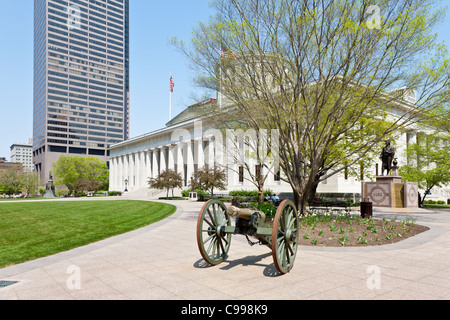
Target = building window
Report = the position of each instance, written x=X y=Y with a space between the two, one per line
x=241 y=174
x=258 y=172
x=277 y=176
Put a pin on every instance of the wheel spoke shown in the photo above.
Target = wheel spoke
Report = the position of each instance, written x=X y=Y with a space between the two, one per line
x=208 y=239
x=214 y=245
x=286 y=255
x=211 y=246
x=291 y=251
x=221 y=244
x=224 y=239
x=290 y=220
x=210 y=216
x=209 y=223
x=215 y=214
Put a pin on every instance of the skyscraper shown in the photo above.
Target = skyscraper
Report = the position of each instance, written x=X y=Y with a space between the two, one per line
x=81 y=79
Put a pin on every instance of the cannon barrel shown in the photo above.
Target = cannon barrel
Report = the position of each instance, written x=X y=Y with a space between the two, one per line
x=244 y=213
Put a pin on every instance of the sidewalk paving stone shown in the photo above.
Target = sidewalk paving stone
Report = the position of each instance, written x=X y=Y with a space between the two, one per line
x=162 y=262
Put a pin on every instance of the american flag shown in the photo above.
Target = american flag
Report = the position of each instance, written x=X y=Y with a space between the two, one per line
x=228 y=53
x=172 y=84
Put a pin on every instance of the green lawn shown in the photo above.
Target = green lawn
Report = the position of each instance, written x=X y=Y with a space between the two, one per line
x=38 y=229
x=436 y=206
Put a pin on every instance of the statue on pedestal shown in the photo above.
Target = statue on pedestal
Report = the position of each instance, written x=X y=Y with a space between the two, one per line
x=50 y=188
x=387 y=156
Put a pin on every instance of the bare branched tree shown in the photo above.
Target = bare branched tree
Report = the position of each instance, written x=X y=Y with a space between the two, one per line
x=334 y=77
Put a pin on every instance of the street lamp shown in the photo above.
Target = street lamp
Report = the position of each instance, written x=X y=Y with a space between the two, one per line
x=126 y=185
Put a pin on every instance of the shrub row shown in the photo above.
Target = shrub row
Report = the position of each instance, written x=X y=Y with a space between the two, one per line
x=185 y=193
x=434 y=202
x=249 y=193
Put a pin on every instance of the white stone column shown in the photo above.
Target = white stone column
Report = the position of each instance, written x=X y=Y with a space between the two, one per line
x=132 y=179
x=137 y=170
x=148 y=163
x=400 y=153
x=230 y=148
x=127 y=171
x=120 y=176
x=411 y=139
x=142 y=169
x=162 y=159
x=155 y=163
x=209 y=153
x=142 y=173
x=199 y=155
x=179 y=159
x=189 y=161
x=116 y=174
x=171 y=155
x=112 y=173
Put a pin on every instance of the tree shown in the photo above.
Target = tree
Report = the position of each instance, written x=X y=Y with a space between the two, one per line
x=11 y=181
x=167 y=180
x=250 y=150
x=320 y=74
x=209 y=178
x=72 y=171
x=30 y=183
x=87 y=185
x=428 y=164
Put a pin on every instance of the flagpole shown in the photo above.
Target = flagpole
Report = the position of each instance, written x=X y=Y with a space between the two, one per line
x=170 y=101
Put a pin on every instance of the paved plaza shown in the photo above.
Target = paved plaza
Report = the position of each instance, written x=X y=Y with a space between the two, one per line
x=162 y=262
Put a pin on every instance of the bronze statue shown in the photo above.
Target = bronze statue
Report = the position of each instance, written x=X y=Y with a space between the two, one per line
x=387 y=156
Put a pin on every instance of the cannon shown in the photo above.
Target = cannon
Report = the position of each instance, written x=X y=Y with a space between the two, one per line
x=215 y=230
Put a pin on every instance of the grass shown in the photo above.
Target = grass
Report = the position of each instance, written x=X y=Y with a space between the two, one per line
x=22 y=199
x=39 y=229
x=436 y=206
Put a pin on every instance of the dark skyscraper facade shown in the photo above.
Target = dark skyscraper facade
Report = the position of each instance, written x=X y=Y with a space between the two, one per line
x=81 y=79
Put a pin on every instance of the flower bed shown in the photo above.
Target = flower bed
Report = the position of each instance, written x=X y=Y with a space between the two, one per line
x=335 y=230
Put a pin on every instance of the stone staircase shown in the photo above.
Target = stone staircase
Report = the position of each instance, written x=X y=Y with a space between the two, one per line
x=148 y=194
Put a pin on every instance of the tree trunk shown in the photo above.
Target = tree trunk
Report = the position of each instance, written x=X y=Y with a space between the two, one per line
x=260 y=194
x=300 y=202
x=303 y=194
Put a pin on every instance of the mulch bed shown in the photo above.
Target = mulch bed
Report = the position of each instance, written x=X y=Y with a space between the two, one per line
x=359 y=232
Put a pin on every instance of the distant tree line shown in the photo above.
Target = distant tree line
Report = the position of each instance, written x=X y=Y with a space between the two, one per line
x=77 y=174
x=81 y=174
x=207 y=178
x=13 y=182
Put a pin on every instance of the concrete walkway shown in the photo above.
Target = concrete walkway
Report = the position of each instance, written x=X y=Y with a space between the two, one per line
x=162 y=261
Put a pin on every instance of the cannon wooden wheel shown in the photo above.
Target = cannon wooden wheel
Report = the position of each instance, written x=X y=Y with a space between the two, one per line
x=285 y=236
x=212 y=240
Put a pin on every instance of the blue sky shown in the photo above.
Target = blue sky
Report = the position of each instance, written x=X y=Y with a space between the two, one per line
x=153 y=59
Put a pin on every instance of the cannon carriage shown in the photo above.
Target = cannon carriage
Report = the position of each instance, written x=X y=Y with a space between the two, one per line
x=215 y=229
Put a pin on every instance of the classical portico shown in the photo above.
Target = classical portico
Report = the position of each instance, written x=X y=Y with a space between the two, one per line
x=184 y=145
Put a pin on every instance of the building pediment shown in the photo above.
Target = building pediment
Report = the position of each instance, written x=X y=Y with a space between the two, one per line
x=192 y=112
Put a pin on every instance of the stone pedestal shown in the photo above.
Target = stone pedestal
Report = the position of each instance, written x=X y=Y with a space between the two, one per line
x=390 y=192
x=50 y=190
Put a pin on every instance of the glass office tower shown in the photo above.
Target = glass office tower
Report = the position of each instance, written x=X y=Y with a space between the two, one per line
x=81 y=79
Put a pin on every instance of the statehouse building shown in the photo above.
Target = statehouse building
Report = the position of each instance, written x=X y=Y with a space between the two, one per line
x=188 y=143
